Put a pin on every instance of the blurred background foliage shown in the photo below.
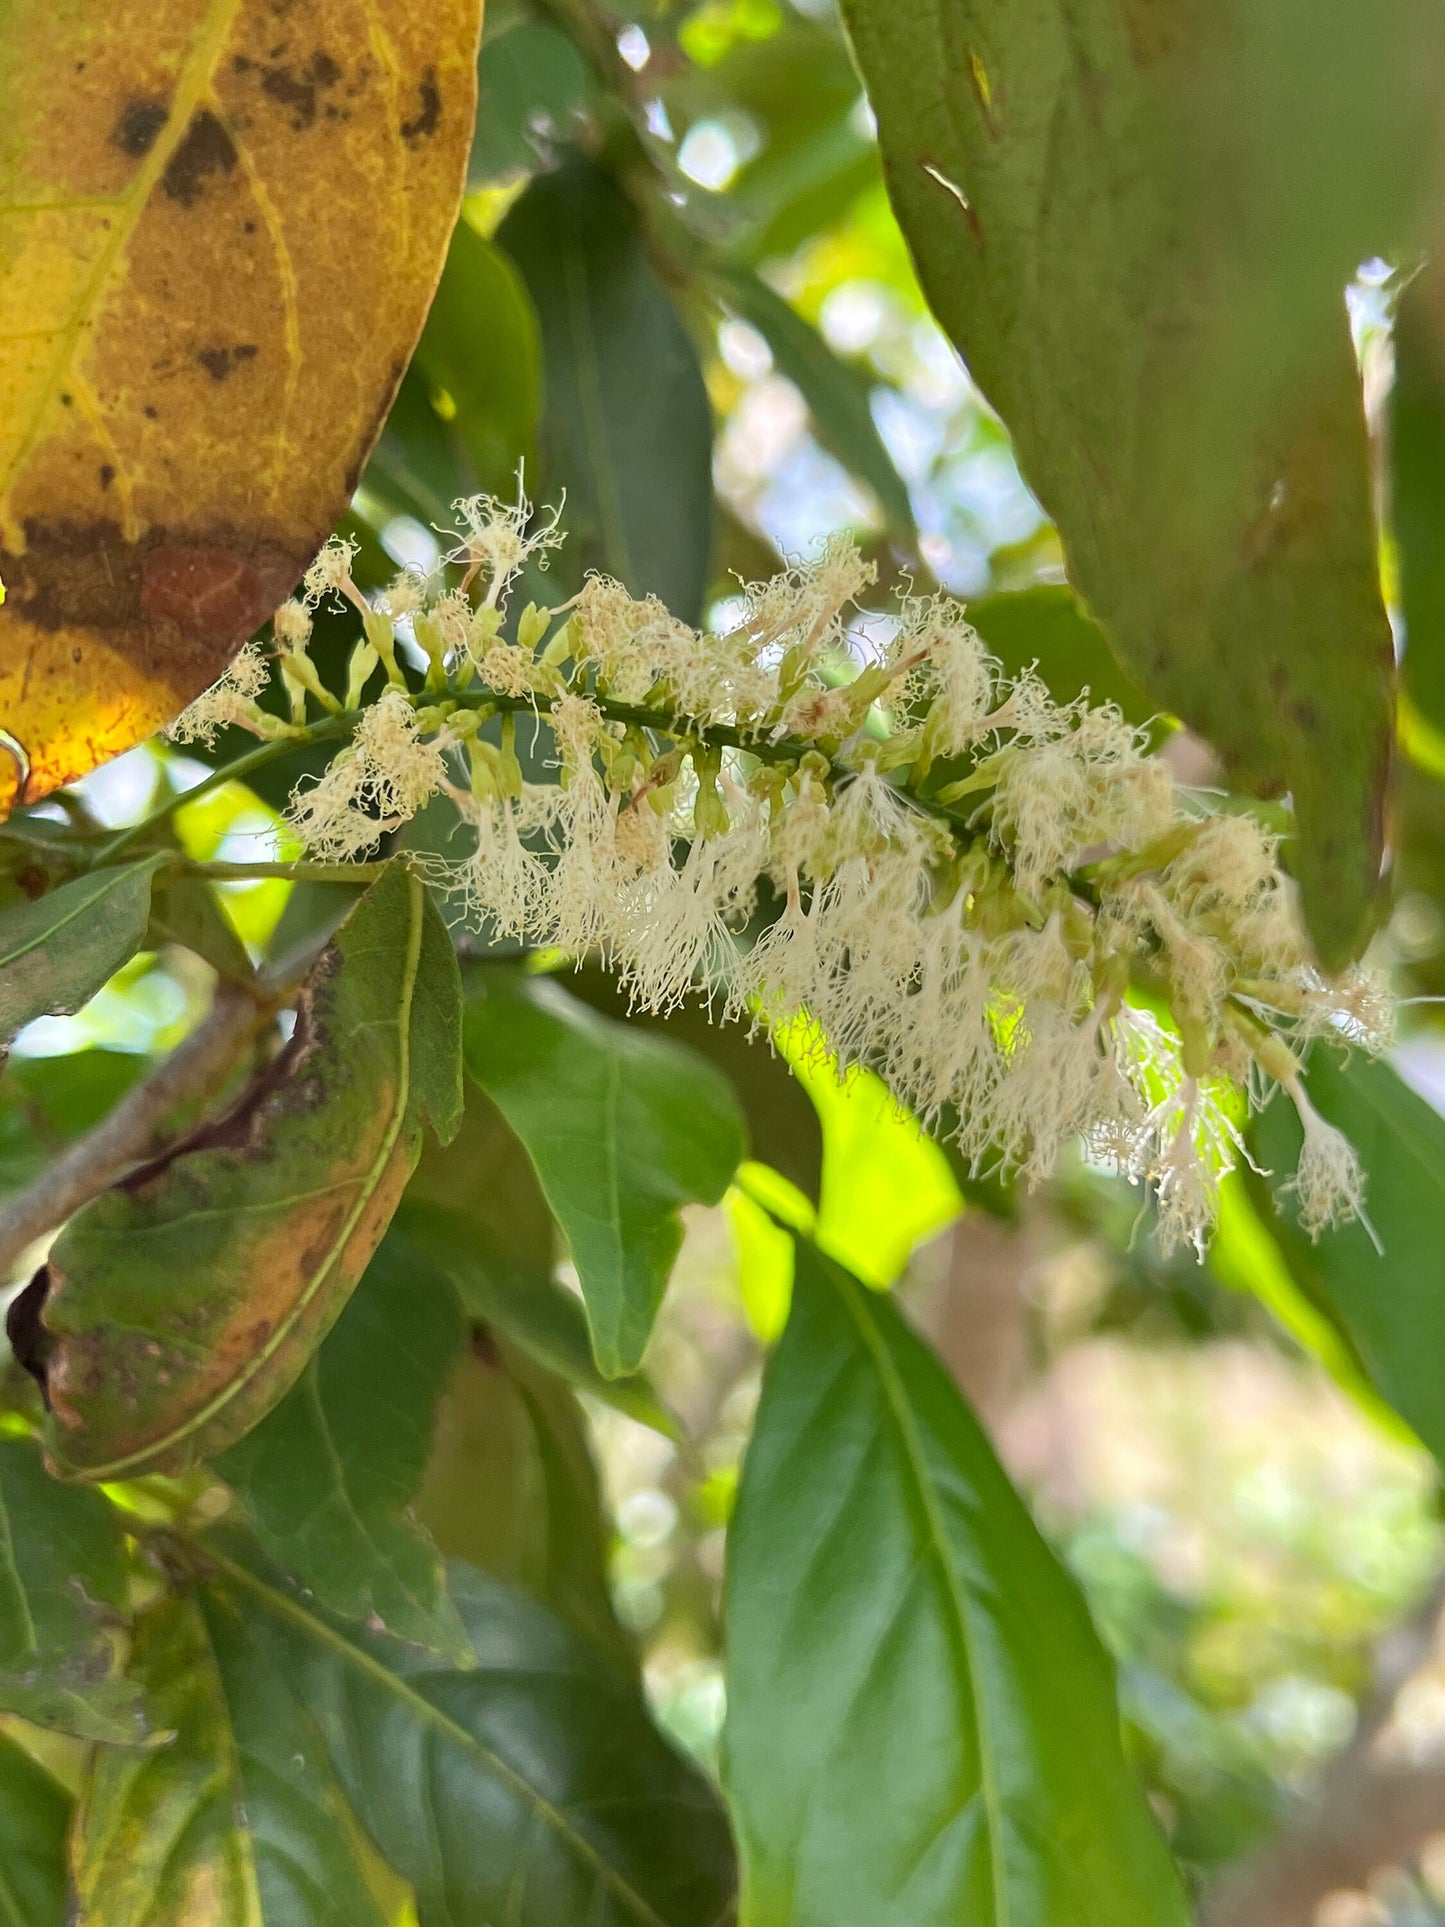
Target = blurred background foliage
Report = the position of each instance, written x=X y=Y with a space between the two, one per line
x=679 y=298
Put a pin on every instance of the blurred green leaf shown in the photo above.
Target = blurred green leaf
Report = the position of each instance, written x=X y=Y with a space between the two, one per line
x=1049 y=626
x=532 y=86
x=178 y=1308
x=511 y=1488
x=46 y=1102
x=34 y=1824
x=327 y=1477
x=56 y=952
x=1386 y=1302
x=235 y=1820
x=1417 y=499
x=186 y=911
x=921 y=1722
x=1137 y=231
x=837 y=392
x=624 y=1128
x=627 y=427
x=530 y=1787
x=63 y=1593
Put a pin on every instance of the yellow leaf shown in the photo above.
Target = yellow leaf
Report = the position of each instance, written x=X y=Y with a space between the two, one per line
x=221 y=224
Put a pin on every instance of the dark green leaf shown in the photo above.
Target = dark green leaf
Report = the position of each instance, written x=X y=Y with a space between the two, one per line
x=921 y=1722
x=627 y=428
x=183 y=1304
x=327 y=1478
x=1387 y=1302
x=1048 y=626
x=837 y=393
x=34 y=1823
x=511 y=1488
x=1417 y=498
x=56 y=953
x=532 y=84
x=536 y=1314
x=236 y=1822
x=1136 y=223
x=623 y=1128
x=530 y=1788
x=62 y=1604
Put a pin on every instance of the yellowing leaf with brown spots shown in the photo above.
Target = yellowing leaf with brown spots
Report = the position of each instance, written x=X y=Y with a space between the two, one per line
x=221 y=224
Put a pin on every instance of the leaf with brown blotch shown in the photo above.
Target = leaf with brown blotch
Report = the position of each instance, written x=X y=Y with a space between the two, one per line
x=179 y=1307
x=221 y=224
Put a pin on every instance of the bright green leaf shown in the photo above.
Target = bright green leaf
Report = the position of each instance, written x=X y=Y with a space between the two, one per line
x=327 y=1477
x=62 y=1604
x=623 y=1127
x=178 y=1308
x=34 y=1823
x=921 y=1722
x=56 y=952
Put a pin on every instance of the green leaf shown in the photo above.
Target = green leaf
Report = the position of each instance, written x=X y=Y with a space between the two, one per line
x=624 y=1128
x=181 y=1306
x=186 y=910
x=532 y=84
x=46 y=1102
x=62 y=1604
x=627 y=428
x=1049 y=627
x=511 y=1488
x=837 y=392
x=531 y=1788
x=921 y=1724
x=56 y=952
x=236 y=1821
x=536 y=1314
x=1136 y=224
x=327 y=1478
x=1387 y=1302
x=34 y=1824
x=1417 y=498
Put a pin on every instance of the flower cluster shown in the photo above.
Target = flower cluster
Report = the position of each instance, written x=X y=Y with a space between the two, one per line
x=1001 y=902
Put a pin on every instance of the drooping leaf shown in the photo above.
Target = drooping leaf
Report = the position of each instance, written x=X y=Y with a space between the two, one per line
x=528 y=1307
x=1386 y=1302
x=627 y=428
x=178 y=1308
x=327 y=1478
x=511 y=1489
x=836 y=393
x=56 y=952
x=921 y=1722
x=34 y=1823
x=531 y=1787
x=236 y=1820
x=623 y=1128
x=223 y=226
x=1136 y=224
x=62 y=1604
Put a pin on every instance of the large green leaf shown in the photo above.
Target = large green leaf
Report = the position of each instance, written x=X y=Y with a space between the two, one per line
x=34 y=1823
x=56 y=952
x=62 y=1604
x=326 y=1478
x=182 y=1305
x=627 y=428
x=836 y=392
x=623 y=1127
x=921 y=1725
x=1417 y=496
x=1386 y=1301
x=236 y=1822
x=530 y=1788
x=1137 y=224
x=511 y=1488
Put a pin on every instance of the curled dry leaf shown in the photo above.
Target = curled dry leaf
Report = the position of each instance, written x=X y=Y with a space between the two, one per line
x=221 y=223
x=179 y=1307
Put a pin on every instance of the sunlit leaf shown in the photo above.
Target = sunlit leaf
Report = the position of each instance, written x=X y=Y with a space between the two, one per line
x=178 y=1308
x=62 y=1604
x=222 y=225
x=623 y=1127
x=34 y=1822
x=1136 y=224
x=327 y=1478
x=236 y=1821
x=530 y=1787
x=921 y=1721
x=627 y=429
x=56 y=953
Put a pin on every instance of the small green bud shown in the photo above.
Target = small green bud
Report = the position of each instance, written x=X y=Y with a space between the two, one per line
x=359 y=670
x=532 y=625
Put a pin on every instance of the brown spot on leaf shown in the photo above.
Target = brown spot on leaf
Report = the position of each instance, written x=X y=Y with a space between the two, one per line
x=139 y=125
x=107 y=474
x=207 y=149
x=218 y=362
x=429 y=118
x=25 y=1329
